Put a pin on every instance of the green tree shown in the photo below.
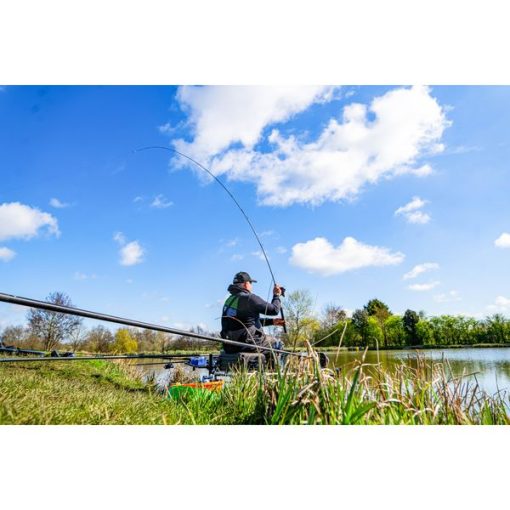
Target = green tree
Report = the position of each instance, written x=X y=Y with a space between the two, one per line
x=376 y=308
x=374 y=333
x=395 y=332
x=424 y=333
x=497 y=329
x=124 y=342
x=410 y=321
x=360 y=323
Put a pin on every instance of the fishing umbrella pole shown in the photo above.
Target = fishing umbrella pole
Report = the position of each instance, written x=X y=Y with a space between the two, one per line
x=44 y=305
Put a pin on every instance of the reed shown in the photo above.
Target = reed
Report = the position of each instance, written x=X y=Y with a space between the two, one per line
x=102 y=392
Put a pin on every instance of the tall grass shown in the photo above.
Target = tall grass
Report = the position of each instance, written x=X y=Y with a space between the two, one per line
x=300 y=393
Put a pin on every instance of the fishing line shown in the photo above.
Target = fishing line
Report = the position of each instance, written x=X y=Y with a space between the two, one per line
x=226 y=189
x=160 y=147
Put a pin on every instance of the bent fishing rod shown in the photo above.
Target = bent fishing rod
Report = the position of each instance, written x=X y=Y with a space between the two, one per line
x=51 y=307
x=161 y=147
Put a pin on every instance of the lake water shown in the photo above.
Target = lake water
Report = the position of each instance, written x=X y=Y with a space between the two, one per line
x=491 y=366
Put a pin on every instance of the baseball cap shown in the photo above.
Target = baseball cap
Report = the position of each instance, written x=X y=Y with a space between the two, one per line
x=243 y=277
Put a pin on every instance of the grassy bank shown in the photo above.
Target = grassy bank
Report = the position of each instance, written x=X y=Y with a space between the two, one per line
x=89 y=392
x=111 y=393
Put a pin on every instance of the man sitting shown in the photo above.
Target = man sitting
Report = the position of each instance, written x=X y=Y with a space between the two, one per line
x=241 y=320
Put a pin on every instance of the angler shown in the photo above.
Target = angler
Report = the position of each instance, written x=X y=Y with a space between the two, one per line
x=240 y=318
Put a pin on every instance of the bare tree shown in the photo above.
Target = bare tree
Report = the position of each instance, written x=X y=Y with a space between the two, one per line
x=53 y=327
x=14 y=335
x=99 y=339
x=77 y=338
x=298 y=312
x=332 y=315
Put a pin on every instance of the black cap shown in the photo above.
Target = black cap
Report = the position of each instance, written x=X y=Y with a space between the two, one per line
x=243 y=277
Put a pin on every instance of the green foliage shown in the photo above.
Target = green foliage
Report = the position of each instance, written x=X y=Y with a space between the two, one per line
x=395 y=332
x=424 y=333
x=360 y=323
x=124 y=342
x=410 y=321
x=497 y=329
x=378 y=309
x=374 y=333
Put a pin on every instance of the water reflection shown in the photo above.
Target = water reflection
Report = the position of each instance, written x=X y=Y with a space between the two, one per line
x=490 y=367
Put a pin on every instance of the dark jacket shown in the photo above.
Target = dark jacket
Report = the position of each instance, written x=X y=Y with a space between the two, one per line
x=241 y=314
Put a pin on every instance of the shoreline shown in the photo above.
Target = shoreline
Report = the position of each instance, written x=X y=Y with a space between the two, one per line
x=416 y=347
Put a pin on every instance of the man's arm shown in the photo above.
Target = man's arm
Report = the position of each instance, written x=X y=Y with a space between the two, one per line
x=261 y=306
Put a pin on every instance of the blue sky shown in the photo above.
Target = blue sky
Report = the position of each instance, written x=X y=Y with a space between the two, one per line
x=357 y=192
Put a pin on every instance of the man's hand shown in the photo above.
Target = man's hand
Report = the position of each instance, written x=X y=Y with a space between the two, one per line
x=278 y=322
x=277 y=291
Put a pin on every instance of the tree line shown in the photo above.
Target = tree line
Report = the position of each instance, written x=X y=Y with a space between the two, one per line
x=48 y=331
x=373 y=326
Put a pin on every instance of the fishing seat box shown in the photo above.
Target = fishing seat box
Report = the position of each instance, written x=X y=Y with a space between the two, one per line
x=247 y=360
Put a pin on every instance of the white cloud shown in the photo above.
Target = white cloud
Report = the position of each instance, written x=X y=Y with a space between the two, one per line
x=160 y=202
x=138 y=199
x=411 y=211
x=18 y=221
x=119 y=238
x=259 y=254
x=165 y=128
x=82 y=276
x=57 y=204
x=422 y=287
x=131 y=254
x=232 y=243
x=418 y=217
x=6 y=254
x=448 y=297
x=413 y=205
x=221 y=116
x=503 y=241
x=348 y=154
x=236 y=257
x=501 y=304
x=419 y=269
x=320 y=256
x=281 y=250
